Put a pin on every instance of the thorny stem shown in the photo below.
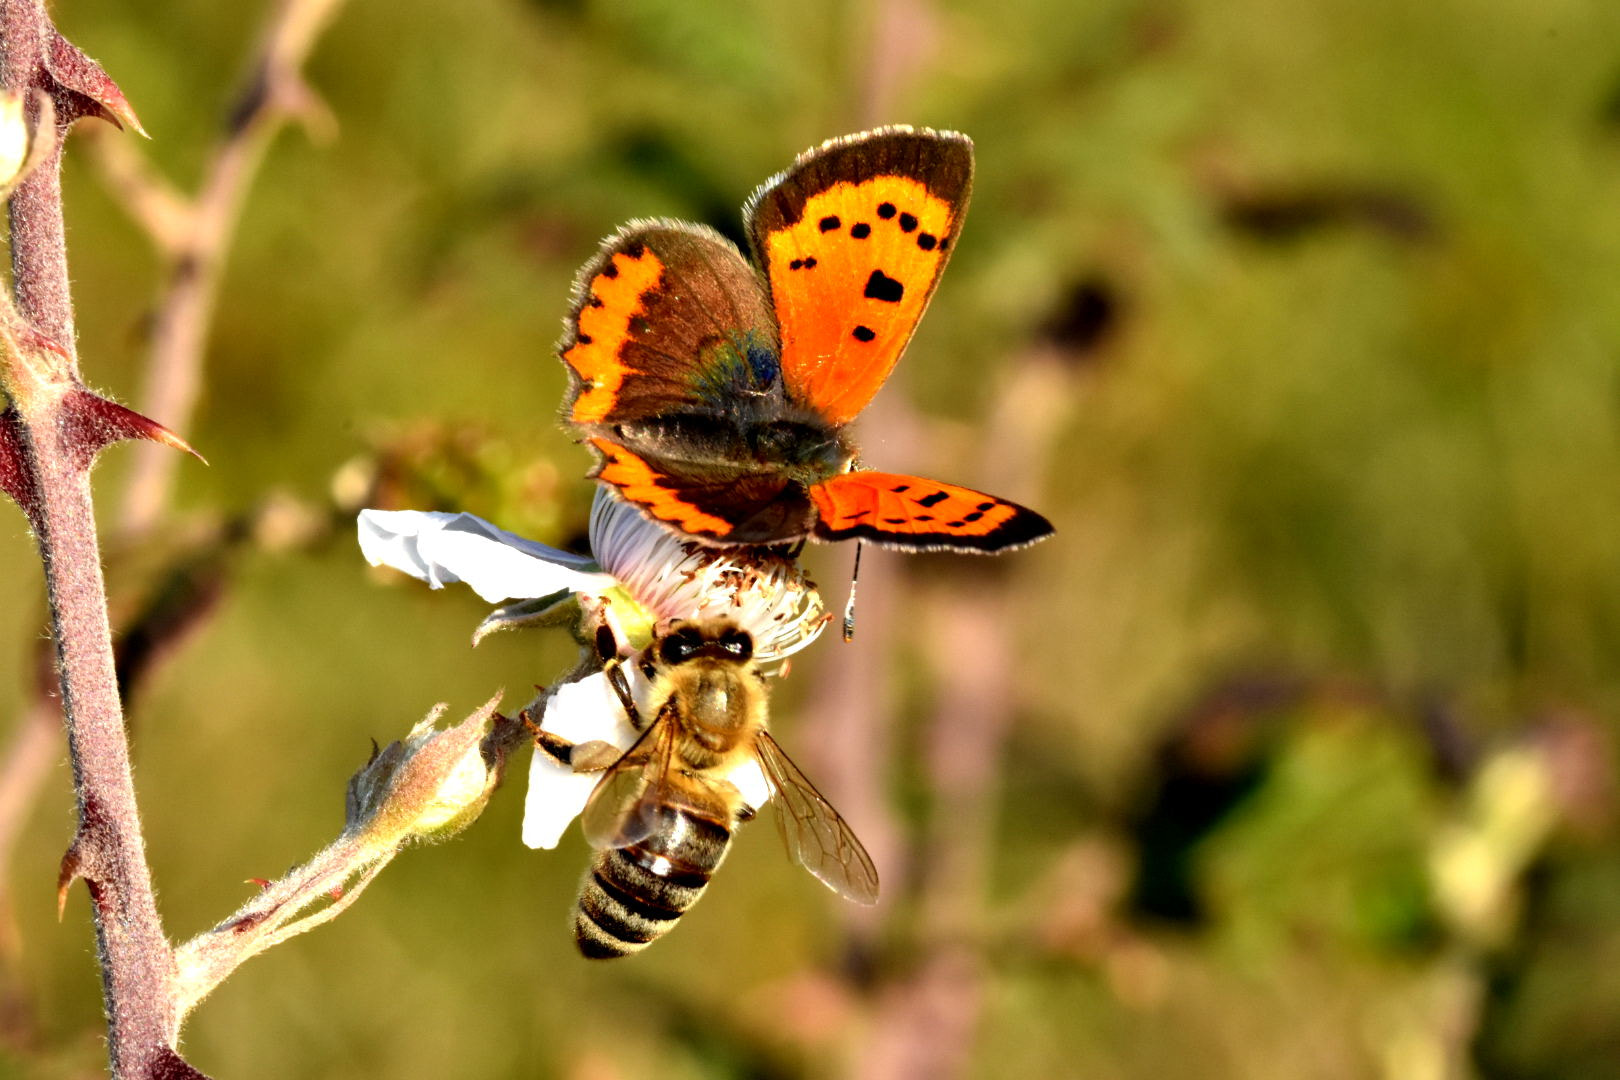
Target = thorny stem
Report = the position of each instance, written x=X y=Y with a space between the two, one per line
x=195 y=237
x=108 y=850
x=49 y=437
x=197 y=248
x=38 y=244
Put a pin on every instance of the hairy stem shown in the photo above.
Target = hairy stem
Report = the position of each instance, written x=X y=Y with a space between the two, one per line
x=337 y=876
x=194 y=236
x=108 y=850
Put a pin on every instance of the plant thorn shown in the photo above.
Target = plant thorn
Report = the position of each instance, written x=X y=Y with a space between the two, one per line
x=83 y=87
x=98 y=423
x=71 y=870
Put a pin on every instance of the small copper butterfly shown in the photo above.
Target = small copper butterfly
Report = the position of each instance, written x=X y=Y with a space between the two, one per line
x=716 y=391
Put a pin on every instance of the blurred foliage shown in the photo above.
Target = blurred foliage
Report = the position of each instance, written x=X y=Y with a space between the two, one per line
x=1314 y=693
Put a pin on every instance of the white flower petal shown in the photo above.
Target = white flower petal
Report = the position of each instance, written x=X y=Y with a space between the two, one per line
x=626 y=542
x=442 y=549
x=588 y=709
x=581 y=711
x=749 y=779
x=556 y=796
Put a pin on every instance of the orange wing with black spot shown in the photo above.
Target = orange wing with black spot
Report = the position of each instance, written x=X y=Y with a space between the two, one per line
x=909 y=512
x=668 y=318
x=853 y=238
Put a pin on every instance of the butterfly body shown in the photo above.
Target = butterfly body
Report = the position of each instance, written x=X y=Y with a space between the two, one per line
x=716 y=391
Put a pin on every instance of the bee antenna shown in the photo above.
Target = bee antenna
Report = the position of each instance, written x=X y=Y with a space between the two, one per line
x=849 y=606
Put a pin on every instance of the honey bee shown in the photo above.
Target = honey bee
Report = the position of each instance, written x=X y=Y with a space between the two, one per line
x=662 y=815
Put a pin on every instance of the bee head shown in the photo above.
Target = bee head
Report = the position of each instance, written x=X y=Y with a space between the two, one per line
x=690 y=641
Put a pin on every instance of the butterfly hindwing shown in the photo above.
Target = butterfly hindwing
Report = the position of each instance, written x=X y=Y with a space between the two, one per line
x=852 y=239
x=713 y=504
x=921 y=515
x=669 y=317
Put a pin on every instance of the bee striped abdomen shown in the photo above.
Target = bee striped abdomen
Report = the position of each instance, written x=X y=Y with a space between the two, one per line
x=633 y=895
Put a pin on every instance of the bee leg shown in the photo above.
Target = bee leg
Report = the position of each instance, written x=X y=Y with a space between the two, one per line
x=592 y=756
x=559 y=748
x=607 y=646
x=614 y=670
x=607 y=650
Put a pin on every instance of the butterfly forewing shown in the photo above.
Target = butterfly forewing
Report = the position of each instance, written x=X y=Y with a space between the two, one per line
x=669 y=317
x=853 y=238
x=815 y=835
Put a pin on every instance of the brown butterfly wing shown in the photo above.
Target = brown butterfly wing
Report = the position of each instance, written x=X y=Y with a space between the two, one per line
x=666 y=318
x=713 y=502
x=853 y=239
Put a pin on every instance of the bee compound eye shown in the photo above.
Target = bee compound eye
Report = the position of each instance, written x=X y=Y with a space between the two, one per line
x=738 y=644
x=678 y=647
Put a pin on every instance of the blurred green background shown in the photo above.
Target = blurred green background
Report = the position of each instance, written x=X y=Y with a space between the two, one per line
x=1292 y=755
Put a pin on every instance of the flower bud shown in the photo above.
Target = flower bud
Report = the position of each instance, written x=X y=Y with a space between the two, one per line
x=430 y=785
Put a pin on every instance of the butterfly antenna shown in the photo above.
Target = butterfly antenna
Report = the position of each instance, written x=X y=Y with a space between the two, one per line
x=849 y=606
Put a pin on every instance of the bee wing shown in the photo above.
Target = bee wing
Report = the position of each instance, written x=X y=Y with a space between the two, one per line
x=816 y=837
x=623 y=806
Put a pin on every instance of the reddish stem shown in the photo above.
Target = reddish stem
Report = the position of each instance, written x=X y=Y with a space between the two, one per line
x=108 y=850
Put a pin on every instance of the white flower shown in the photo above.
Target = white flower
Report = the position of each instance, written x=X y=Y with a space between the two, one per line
x=641 y=576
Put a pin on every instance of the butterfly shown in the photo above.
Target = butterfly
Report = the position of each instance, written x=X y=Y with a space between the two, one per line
x=715 y=390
